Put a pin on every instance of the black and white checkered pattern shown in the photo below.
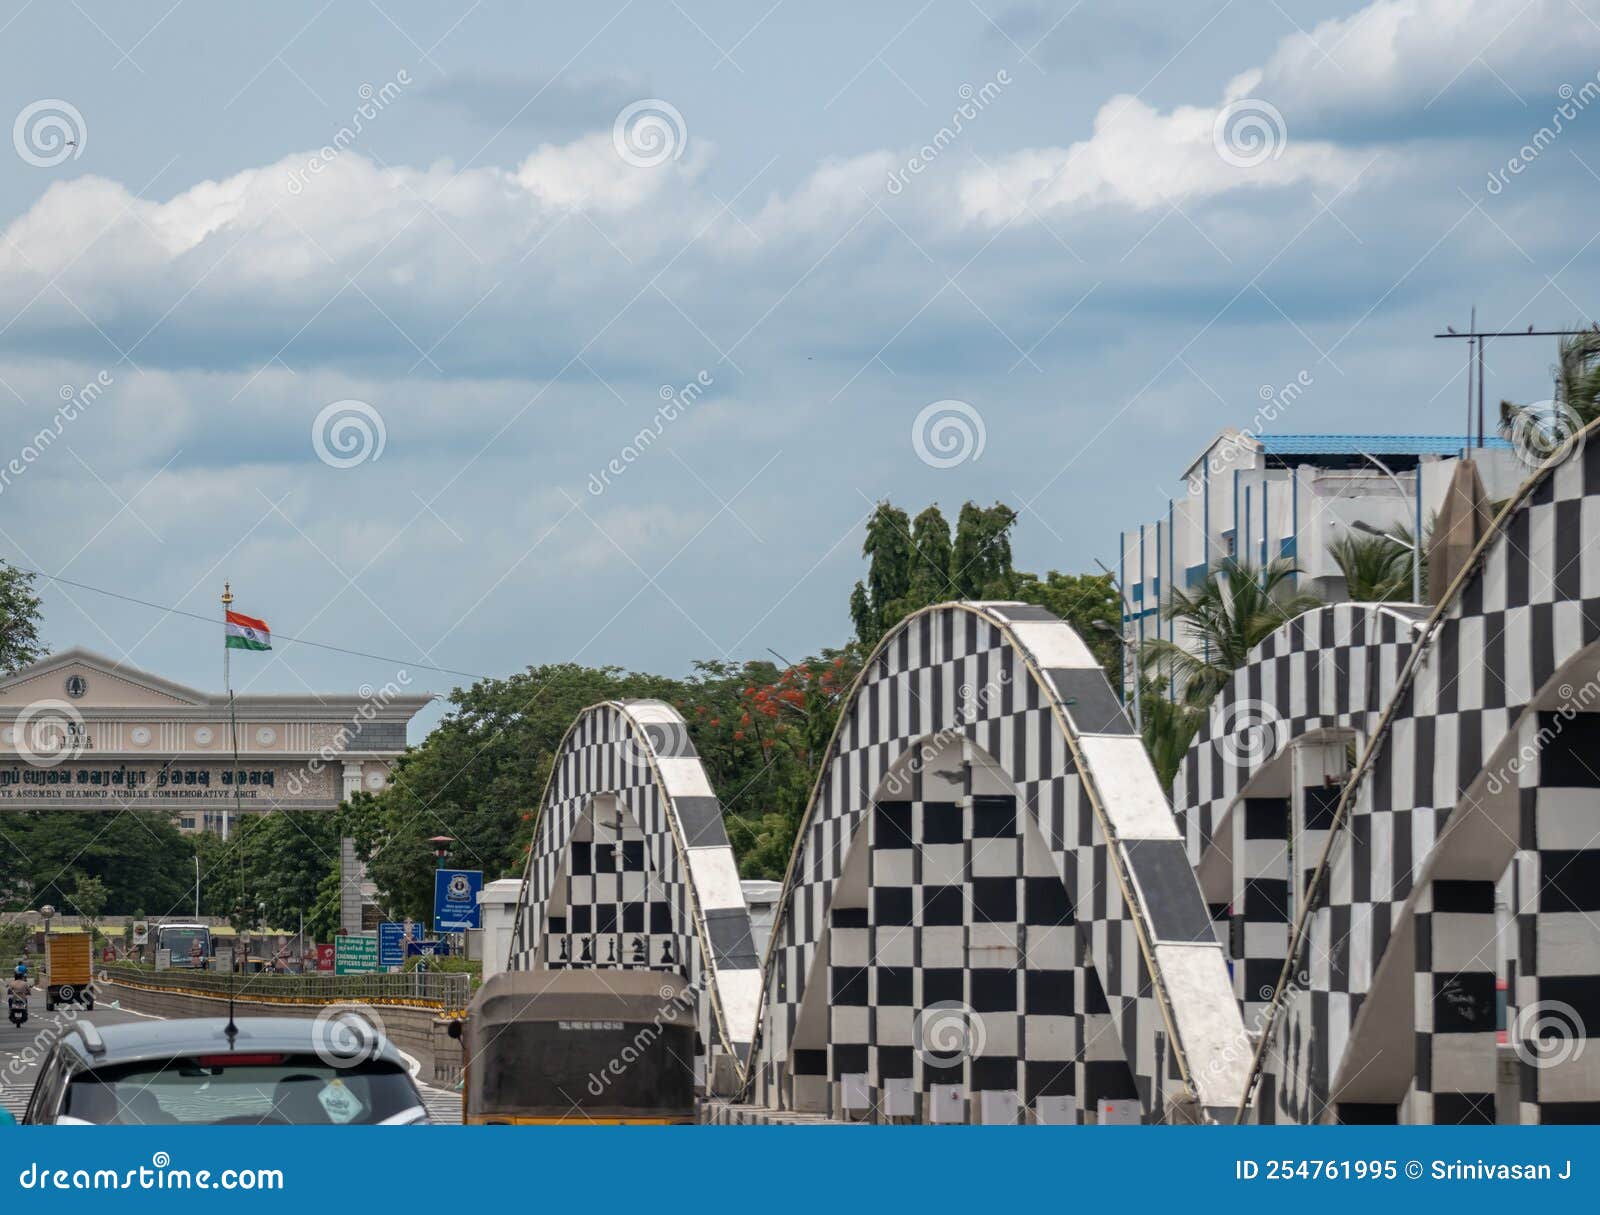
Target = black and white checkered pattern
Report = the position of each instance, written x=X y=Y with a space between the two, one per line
x=1453 y=1001
x=1556 y=984
x=1445 y=714
x=631 y=867
x=1332 y=669
x=897 y=900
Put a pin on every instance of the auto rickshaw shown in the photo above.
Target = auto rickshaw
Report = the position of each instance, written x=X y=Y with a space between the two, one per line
x=579 y=1047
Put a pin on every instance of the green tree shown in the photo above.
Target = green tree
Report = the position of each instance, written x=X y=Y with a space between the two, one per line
x=980 y=561
x=89 y=896
x=139 y=855
x=931 y=559
x=1227 y=615
x=1169 y=728
x=1090 y=604
x=1376 y=569
x=13 y=932
x=1577 y=386
x=879 y=604
x=913 y=565
x=19 y=619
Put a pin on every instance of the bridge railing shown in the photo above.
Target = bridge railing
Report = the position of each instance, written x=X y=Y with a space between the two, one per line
x=426 y=989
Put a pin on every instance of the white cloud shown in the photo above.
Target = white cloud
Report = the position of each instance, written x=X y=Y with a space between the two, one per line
x=1407 y=58
x=1374 y=76
x=1140 y=157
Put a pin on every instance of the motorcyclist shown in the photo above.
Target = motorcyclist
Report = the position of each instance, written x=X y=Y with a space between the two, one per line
x=19 y=985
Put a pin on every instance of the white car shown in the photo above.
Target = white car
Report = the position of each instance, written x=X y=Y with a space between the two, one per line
x=270 y=1071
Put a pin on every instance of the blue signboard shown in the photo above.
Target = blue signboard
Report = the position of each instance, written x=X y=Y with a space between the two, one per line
x=428 y=949
x=455 y=899
x=391 y=944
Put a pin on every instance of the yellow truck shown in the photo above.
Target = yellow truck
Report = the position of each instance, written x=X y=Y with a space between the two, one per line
x=69 y=969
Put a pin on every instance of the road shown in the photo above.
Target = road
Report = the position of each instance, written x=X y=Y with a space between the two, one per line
x=18 y=1065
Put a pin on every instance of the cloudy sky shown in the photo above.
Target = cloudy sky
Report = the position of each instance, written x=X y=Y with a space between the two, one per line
x=507 y=233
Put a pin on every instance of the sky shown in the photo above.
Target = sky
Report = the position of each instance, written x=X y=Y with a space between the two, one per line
x=475 y=336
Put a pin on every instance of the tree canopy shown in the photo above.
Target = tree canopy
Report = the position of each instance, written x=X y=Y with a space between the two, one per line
x=19 y=619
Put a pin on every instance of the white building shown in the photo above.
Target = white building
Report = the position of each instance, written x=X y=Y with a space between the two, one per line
x=1260 y=497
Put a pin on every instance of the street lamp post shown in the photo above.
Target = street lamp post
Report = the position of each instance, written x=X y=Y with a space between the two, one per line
x=1133 y=651
x=441 y=849
x=1416 y=535
x=48 y=911
x=1103 y=626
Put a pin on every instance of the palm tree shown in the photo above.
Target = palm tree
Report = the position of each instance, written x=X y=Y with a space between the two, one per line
x=1168 y=730
x=1233 y=609
x=1376 y=569
x=1577 y=388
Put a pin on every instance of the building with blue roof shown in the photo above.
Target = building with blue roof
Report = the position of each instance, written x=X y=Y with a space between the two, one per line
x=1258 y=496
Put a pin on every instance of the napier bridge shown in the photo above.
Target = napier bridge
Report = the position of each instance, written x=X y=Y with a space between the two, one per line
x=1373 y=894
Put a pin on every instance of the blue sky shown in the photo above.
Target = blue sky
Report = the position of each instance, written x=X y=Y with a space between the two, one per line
x=508 y=287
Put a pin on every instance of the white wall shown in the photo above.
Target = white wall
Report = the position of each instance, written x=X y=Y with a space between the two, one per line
x=498 y=901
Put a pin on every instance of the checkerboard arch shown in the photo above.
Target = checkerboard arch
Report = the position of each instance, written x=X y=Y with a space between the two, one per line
x=1023 y=687
x=1524 y=606
x=1332 y=668
x=637 y=755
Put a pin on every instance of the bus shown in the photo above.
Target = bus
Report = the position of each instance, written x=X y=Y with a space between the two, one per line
x=180 y=939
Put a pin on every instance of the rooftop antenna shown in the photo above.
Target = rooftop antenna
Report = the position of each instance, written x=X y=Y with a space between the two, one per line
x=1476 y=340
x=1472 y=345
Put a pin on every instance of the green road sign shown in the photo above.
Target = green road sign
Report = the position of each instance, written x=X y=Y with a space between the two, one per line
x=356 y=954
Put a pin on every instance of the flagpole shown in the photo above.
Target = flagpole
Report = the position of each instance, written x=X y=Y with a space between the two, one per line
x=227 y=598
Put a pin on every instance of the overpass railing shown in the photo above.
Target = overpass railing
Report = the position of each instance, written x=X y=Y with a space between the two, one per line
x=423 y=989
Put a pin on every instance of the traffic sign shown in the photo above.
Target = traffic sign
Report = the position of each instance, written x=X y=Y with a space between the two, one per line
x=455 y=899
x=356 y=953
x=391 y=943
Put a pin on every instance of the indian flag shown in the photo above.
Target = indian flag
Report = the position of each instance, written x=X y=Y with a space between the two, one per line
x=247 y=633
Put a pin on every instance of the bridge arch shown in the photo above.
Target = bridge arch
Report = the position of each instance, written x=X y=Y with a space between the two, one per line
x=1442 y=860
x=1011 y=698
x=630 y=867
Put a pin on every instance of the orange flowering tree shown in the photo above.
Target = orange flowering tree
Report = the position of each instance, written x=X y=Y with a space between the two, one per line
x=761 y=731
